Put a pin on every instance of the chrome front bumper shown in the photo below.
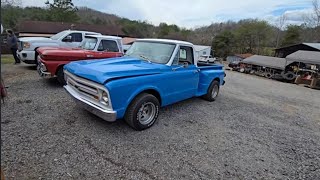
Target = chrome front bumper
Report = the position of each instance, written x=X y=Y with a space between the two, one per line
x=26 y=56
x=107 y=115
x=41 y=72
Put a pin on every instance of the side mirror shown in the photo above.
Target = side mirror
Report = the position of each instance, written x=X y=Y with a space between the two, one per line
x=67 y=39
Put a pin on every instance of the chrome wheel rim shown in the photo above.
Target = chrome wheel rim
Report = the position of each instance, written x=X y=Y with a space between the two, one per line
x=146 y=113
x=215 y=91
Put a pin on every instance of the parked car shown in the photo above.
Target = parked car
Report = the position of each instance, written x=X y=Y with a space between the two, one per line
x=235 y=65
x=207 y=59
x=27 y=46
x=52 y=59
x=153 y=73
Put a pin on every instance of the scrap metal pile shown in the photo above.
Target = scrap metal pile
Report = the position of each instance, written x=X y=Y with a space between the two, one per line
x=301 y=67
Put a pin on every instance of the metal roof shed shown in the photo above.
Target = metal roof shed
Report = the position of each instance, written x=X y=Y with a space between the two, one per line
x=266 y=61
x=310 y=57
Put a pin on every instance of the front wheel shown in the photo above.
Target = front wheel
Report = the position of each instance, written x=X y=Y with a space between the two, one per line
x=142 y=112
x=60 y=76
x=213 y=91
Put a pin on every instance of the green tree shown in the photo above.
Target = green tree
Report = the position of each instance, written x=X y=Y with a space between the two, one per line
x=166 y=30
x=10 y=15
x=222 y=43
x=62 y=11
x=252 y=35
x=292 y=35
x=136 y=28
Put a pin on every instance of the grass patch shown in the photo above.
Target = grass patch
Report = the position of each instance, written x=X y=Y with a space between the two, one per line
x=7 y=59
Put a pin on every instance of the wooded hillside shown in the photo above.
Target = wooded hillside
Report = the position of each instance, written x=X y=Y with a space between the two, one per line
x=245 y=36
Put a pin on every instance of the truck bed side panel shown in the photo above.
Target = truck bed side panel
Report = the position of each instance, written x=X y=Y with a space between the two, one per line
x=207 y=75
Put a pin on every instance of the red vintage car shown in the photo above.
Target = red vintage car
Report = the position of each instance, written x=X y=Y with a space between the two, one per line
x=52 y=59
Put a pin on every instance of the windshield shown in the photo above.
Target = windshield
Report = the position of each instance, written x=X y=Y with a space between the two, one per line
x=57 y=36
x=89 y=43
x=151 y=51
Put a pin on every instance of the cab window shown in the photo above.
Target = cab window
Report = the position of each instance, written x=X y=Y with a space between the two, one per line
x=186 y=55
x=108 y=45
x=75 y=37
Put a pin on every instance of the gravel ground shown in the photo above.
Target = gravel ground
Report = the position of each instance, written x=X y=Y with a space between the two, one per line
x=257 y=129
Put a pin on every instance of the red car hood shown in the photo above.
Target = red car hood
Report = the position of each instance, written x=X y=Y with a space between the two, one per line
x=56 y=53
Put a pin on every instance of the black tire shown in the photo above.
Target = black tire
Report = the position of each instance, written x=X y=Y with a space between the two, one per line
x=290 y=76
x=60 y=76
x=213 y=91
x=268 y=75
x=140 y=108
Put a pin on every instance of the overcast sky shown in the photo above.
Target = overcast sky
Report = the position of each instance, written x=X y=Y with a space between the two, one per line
x=195 y=13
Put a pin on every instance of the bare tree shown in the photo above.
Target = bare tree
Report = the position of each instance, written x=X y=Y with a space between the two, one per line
x=316 y=19
x=316 y=10
x=280 y=25
x=312 y=23
x=11 y=2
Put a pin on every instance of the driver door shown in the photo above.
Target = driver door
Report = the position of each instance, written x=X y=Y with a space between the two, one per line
x=184 y=77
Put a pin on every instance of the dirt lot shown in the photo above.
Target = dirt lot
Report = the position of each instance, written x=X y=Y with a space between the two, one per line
x=257 y=129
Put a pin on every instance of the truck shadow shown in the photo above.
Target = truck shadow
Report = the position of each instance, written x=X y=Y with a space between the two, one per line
x=29 y=67
x=52 y=82
x=166 y=114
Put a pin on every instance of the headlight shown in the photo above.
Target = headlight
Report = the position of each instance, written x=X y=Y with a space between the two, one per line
x=104 y=98
x=26 y=45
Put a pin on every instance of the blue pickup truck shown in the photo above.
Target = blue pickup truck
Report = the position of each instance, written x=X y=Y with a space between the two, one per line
x=153 y=73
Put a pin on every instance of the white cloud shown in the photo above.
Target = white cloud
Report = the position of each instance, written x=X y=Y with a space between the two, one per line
x=189 y=13
x=294 y=17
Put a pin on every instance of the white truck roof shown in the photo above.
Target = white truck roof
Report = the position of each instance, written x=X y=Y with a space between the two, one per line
x=88 y=32
x=167 y=41
x=104 y=37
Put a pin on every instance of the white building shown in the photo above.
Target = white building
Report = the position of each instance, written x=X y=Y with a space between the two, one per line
x=202 y=50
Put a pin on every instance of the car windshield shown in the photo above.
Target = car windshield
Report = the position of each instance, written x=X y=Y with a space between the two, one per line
x=89 y=43
x=57 y=36
x=151 y=51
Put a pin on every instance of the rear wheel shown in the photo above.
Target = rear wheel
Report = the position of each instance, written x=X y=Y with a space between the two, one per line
x=142 y=112
x=213 y=91
x=60 y=76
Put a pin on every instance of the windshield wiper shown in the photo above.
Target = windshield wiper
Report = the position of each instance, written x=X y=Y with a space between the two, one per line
x=145 y=58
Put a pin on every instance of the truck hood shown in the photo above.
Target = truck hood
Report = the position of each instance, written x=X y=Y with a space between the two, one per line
x=105 y=70
x=61 y=54
x=36 y=39
x=57 y=50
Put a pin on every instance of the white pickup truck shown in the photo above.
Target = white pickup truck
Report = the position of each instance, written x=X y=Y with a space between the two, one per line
x=207 y=59
x=27 y=46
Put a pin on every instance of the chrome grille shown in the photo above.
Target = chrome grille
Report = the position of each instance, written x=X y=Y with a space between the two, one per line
x=83 y=88
x=88 y=90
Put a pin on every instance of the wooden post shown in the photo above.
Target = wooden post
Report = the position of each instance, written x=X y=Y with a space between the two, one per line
x=313 y=83
x=298 y=80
